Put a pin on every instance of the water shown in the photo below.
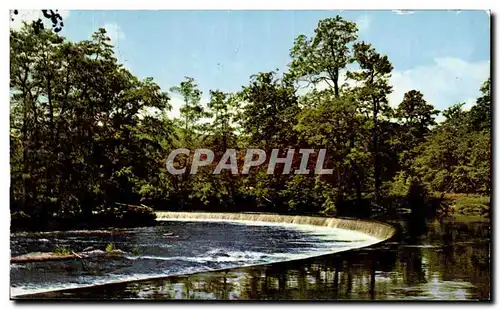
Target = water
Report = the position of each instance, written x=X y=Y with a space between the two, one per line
x=435 y=260
x=376 y=229
x=175 y=247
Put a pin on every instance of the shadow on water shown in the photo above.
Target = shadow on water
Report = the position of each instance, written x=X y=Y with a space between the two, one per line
x=449 y=260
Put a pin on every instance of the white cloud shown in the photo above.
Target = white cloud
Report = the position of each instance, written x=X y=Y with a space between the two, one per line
x=16 y=20
x=469 y=103
x=115 y=33
x=403 y=12
x=176 y=102
x=445 y=82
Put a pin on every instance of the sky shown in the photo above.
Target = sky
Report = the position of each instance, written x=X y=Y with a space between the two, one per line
x=443 y=54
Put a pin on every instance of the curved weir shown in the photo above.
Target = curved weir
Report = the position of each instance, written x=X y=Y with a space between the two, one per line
x=189 y=242
x=378 y=230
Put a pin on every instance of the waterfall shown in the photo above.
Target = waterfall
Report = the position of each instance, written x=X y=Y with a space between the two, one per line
x=375 y=229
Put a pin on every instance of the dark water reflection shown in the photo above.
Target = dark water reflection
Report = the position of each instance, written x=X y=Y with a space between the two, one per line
x=448 y=260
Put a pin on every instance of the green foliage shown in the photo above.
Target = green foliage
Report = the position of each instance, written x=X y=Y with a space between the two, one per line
x=480 y=114
x=61 y=251
x=136 y=252
x=335 y=124
x=320 y=58
x=86 y=134
x=456 y=157
x=110 y=247
x=469 y=204
x=371 y=91
x=192 y=112
x=400 y=186
x=305 y=194
x=80 y=136
x=416 y=114
x=269 y=112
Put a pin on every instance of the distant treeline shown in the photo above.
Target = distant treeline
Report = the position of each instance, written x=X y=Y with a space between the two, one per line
x=86 y=133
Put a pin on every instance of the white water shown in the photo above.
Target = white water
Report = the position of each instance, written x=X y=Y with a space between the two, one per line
x=332 y=241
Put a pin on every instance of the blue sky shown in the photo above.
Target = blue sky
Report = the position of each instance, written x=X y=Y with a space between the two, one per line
x=444 y=54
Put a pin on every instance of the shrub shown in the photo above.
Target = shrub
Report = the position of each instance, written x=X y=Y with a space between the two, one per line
x=110 y=247
x=136 y=252
x=61 y=251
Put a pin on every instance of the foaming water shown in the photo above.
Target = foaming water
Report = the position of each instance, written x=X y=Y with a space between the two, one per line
x=178 y=246
x=371 y=228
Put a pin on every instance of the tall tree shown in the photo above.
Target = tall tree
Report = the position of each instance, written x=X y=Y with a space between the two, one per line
x=336 y=124
x=269 y=111
x=375 y=71
x=321 y=57
x=415 y=117
x=192 y=112
x=416 y=114
x=74 y=115
x=267 y=116
x=222 y=107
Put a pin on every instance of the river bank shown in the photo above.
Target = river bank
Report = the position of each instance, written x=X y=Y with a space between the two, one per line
x=116 y=215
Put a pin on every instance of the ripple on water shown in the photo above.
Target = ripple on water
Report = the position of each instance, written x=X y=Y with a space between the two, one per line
x=197 y=246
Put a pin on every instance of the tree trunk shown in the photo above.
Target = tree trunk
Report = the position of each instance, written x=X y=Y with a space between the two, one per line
x=336 y=85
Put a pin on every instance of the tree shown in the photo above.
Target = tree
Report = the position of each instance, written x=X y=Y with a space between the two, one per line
x=374 y=74
x=336 y=124
x=480 y=114
x=76 y=121
x=192 y=111
x=456 y=156
x=415 y=117
x=321 y=57
x=269 y=112
x=222 y=108
x=267 y=116
x=86 y=134
x=416 y=114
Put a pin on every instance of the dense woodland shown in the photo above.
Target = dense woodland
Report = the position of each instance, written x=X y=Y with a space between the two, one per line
x=85 y=133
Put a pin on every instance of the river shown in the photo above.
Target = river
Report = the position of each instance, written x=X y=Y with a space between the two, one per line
x=447 y=259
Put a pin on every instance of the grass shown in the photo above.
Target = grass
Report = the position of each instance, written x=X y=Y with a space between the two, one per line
x=61 y=251
x=468 y=204
x=110 y=248
x=136 y=252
